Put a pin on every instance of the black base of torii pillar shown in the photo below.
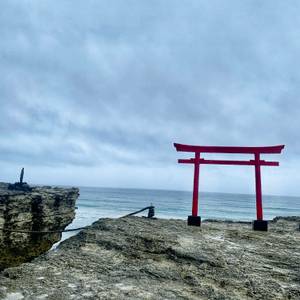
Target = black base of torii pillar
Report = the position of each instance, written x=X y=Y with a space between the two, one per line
x=260 y=225
x=194 y=221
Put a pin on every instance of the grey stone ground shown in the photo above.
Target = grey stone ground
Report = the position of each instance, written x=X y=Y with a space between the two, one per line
x=137 y=258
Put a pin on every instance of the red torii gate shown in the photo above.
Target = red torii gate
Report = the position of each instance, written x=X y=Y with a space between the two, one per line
x=258 y=224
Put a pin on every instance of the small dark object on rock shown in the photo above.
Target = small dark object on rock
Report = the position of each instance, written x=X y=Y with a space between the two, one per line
x=22 y=175
x=151 y=212
x=20 y=186
x=298 y=228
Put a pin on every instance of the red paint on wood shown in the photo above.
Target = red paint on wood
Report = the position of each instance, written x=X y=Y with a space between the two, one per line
x=259 y=211
x=241 y=150
x=226 y=149
x=196 y=184
x=228 y=162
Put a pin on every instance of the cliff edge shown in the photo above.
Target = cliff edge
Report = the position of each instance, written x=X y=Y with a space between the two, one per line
x=137 y=258
x=32 y=209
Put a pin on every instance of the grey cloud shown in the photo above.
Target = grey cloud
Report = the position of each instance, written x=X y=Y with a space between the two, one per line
x=135 y=77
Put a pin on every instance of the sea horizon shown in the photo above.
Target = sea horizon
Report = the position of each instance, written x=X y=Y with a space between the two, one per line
x=156 y=189
x=95 y=203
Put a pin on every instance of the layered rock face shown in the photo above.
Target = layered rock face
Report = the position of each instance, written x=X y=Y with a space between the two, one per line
x=139 y=258
x=35 y=209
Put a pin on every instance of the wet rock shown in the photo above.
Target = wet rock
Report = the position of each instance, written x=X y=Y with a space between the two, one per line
x=139 y=258
x=32 y=209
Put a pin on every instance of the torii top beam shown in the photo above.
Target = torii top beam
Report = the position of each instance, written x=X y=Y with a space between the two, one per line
x=226 y=149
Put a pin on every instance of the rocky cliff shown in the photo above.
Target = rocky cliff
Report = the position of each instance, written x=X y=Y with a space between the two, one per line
x=137 y=258
x=32 y=209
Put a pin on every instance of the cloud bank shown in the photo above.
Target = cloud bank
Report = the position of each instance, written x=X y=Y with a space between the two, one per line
x=97 y=92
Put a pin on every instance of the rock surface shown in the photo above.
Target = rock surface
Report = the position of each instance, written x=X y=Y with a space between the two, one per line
x=137 y=258
x=36 y=209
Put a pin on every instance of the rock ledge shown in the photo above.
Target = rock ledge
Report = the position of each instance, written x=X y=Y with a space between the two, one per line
x=136 y=258
x=33 y=209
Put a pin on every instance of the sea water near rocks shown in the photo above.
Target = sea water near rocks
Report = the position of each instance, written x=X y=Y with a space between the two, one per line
x=95 y=203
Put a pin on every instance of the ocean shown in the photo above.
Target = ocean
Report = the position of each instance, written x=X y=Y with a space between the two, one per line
x=95 y=203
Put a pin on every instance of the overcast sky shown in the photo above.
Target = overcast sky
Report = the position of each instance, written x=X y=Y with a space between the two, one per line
x=95 y=93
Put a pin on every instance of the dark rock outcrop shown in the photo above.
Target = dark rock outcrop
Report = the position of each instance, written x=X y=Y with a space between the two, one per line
x=32 y=209
x=20 y=186
x=139 y=258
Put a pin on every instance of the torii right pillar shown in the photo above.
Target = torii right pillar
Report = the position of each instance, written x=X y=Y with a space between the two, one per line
x=259 y=223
